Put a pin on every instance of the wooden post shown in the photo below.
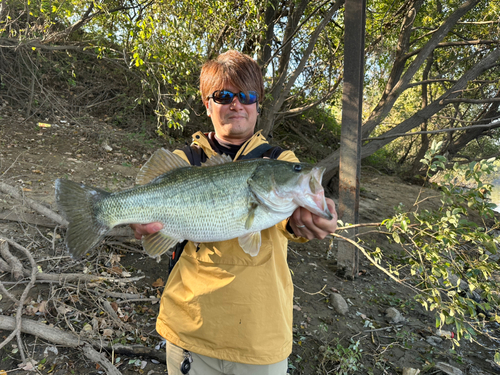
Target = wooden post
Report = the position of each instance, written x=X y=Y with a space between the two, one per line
x=350 y=144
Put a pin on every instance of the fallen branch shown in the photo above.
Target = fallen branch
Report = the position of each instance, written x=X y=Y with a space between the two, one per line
x=17 y=330
x=32 y=219
x=100 y=358
x=60 y=337
x=16 y=268
x=374 y=262
x=69 y=277
x=13 y=192
x=67 y=339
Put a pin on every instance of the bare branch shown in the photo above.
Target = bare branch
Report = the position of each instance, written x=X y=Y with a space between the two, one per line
x=492 y=125
x=473 y=101
x=453 y=44
x=386 y=104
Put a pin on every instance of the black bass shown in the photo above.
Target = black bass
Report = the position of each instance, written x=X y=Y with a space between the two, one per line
x=218 y=201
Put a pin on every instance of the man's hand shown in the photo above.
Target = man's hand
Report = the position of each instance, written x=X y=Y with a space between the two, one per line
x=143 y=229
x=305 y=224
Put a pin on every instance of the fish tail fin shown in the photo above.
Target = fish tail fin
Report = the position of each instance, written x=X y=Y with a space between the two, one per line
x=77 y=203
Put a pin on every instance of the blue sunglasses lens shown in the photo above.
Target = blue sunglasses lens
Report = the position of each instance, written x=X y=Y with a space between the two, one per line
x=226 y=97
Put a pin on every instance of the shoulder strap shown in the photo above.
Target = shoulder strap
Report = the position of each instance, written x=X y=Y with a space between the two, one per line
x=273 y=152
x=265 y=150
x=195 y=154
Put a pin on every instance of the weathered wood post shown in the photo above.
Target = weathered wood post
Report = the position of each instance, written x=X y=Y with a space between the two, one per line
x=350 y=144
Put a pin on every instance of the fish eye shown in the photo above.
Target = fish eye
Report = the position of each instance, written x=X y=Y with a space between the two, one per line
x=297 y=167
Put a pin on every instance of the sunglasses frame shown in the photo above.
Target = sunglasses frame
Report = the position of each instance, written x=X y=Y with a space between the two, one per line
x=232 y=95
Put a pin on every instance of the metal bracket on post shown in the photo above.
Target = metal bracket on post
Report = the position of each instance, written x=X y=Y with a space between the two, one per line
x=350 y=144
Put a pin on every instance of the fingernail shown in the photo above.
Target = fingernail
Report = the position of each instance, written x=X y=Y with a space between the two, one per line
x=157 y=227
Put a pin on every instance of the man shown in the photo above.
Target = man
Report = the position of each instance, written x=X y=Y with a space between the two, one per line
x=227 y=311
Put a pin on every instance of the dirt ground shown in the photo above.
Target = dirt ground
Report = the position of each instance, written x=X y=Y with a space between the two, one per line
x=363 y=341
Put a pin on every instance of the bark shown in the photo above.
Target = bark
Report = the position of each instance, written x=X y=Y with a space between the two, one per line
x=270 y=18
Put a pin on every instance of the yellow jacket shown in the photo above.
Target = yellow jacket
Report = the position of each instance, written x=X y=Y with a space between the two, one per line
x=222 y=303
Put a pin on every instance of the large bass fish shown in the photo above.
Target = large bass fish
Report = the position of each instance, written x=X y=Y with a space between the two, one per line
x=218 y=201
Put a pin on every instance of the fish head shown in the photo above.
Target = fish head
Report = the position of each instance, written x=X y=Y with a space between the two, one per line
x=296 y=182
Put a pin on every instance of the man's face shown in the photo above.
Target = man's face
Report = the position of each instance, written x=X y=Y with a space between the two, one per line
x=234 y=122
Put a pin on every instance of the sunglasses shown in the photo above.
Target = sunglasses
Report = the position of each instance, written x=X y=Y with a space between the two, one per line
x=226 y=97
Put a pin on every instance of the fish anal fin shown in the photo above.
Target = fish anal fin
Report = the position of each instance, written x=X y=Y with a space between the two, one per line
x=161 y=162
x=250 y=243
x=217 y=160
x=156 y=244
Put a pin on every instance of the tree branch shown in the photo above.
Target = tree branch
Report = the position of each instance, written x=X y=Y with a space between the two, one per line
x=386 y=104
x=492 y=126
x=453 y=44
x=473 y=101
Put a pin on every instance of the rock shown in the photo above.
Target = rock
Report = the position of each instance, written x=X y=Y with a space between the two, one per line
x=339 y=303
x=434 y=340
x=448 y=369
x=394 y=316
x=410 y=371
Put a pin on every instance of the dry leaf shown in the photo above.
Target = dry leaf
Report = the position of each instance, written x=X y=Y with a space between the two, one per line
x=42 y=307
x=87 y=328
x=107 y=332
x=115 y=270
x=159 y=282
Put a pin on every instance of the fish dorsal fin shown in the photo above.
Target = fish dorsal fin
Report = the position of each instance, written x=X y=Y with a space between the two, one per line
x=156 y=244
x=160 y=163
x=250 y=243
x=217 y=160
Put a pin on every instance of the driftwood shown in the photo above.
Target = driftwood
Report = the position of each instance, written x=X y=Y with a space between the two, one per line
x=64 y=338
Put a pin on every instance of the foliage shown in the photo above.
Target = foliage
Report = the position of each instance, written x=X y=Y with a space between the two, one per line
x=342 y=360
x=450 y=253
x=419 y=55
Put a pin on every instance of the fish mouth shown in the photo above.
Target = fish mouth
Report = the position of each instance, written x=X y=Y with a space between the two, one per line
x=312 y=195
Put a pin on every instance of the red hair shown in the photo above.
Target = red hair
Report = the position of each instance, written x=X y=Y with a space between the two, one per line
x=231 y=68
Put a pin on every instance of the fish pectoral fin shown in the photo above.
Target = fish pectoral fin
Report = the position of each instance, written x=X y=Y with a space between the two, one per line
x=156 y=244
x=161 y=162
x=251 y=215
x=250 y=243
